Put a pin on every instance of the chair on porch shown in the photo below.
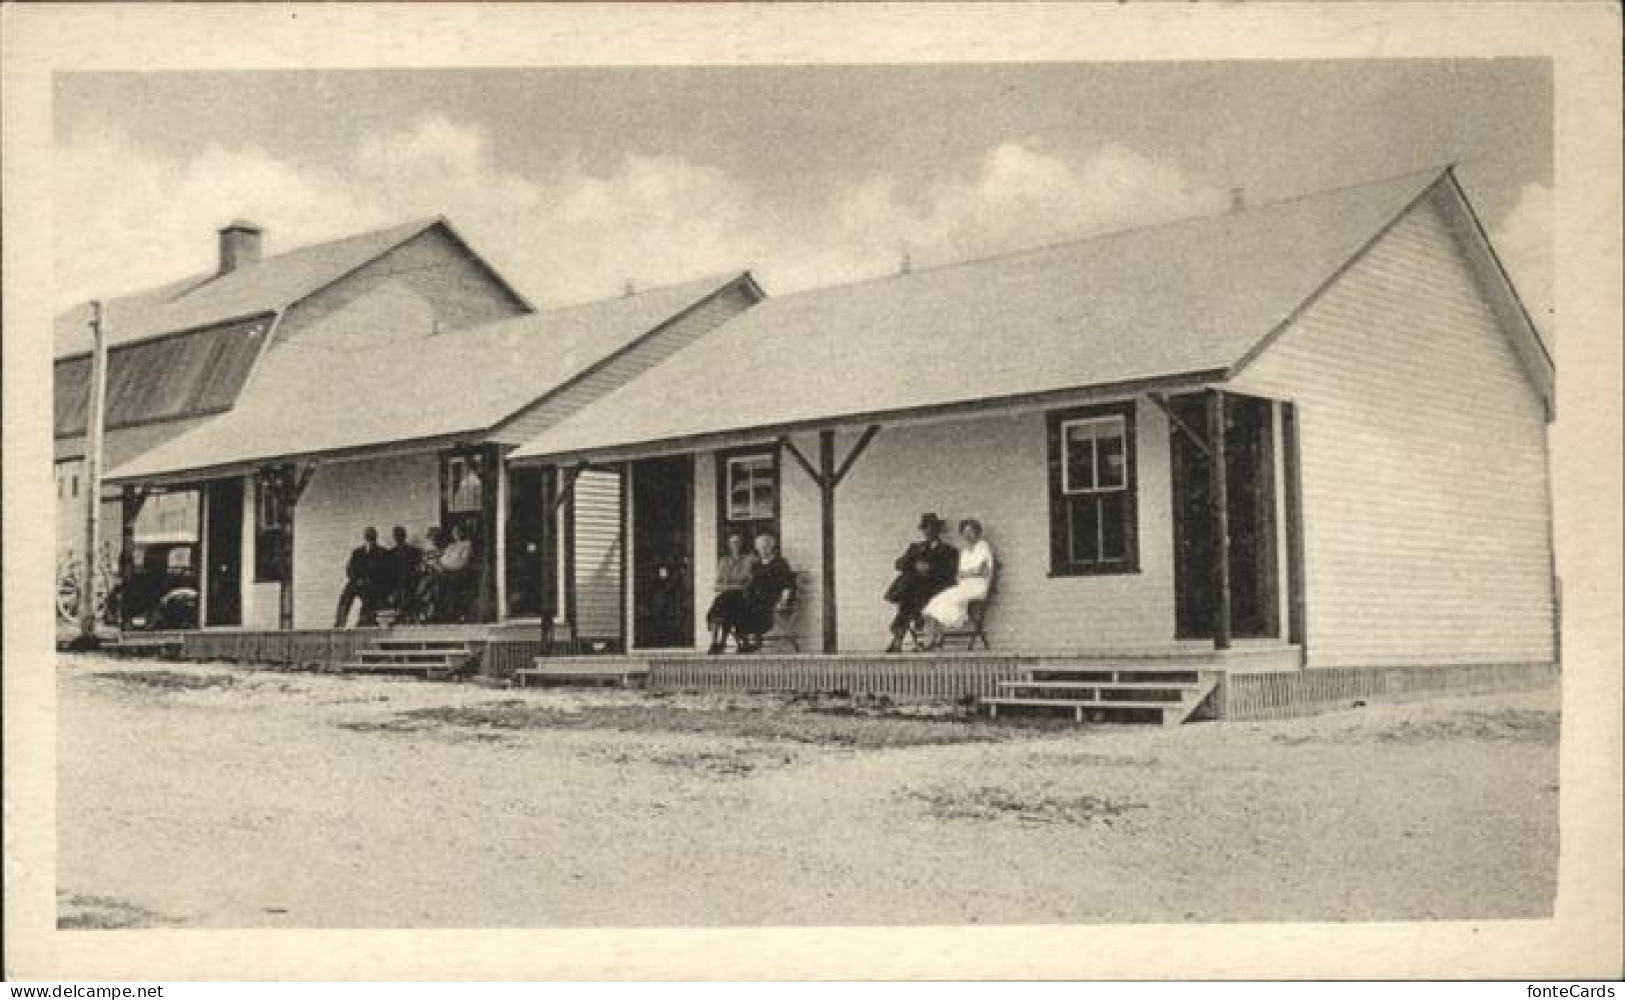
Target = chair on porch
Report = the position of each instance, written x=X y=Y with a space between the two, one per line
x=975 y=628
x=786 y=629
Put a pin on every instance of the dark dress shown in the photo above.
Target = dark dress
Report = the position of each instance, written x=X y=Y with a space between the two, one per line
x=913 y=590
x=768 y=583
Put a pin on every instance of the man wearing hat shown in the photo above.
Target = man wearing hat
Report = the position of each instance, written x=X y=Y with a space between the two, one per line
x=928 y=567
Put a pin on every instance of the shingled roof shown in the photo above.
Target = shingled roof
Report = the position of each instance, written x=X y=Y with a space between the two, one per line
x=311 y=400
x=1187 y=298
x=262 y=286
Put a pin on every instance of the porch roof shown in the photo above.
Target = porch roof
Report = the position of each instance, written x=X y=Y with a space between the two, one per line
x=1183 y=299
x=310 y=401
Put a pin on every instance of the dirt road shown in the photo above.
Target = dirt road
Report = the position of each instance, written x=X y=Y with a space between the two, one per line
x=212 y=796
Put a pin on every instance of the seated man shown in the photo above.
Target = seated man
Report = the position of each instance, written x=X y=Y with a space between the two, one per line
x=928 y=567
x=407 y=562
x=426 y=586
x=772 y=586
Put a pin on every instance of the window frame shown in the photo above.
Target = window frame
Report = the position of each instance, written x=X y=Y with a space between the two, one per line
x=268 y=537
x=724 y=491
x=1063 y=497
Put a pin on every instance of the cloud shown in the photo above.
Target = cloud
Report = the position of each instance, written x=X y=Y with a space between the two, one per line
x=128 y=218
x=1523 y=241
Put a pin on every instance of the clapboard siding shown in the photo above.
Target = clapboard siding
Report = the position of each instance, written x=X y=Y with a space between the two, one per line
x=429 y=283
x=598 y=554
x=341 y=500
x=1423 y=463
x=621 y=368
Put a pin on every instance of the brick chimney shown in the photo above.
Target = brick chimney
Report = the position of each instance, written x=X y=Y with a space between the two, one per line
x=239 y=245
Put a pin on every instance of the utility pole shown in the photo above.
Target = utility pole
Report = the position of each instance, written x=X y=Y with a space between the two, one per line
x=93 y=478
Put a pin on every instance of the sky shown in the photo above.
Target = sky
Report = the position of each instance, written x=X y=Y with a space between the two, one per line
x=573 y=182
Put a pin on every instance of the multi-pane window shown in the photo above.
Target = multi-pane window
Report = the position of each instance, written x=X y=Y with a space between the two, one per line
x=464 y=491
x=1092 y=491
x=747 y=494
x=752 y=487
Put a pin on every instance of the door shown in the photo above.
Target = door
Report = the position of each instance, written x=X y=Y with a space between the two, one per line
x=663 y=553
x=224 y=545
x=1250 y=492
x=529 y=559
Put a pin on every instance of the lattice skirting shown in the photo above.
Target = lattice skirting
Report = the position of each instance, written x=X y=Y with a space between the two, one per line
x=959 y=677
x=1307 y=692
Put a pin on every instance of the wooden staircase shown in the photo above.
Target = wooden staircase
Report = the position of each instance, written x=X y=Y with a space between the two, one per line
x=1142 y=693
x=616 y=671
x=430 y=659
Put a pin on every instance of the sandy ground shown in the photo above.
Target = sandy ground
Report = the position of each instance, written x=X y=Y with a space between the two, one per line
x=213 y=796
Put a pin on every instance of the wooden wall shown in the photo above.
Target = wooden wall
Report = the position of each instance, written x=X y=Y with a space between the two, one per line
x=341 y=500
x=1424 y=467
x=428 y=281
x=598 y=554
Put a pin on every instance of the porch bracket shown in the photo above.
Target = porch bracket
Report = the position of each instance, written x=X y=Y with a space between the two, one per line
x=856 y=452
x=1190 y=432
x=566 y=491
x=801 y=460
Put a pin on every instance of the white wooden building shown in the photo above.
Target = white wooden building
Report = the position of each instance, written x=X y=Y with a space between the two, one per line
x=1383 y=397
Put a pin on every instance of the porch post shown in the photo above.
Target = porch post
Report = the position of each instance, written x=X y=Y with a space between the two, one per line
x=1219 y=504
x=826 y=494
x=827 y=476
x=287 y=482
x=489 y=464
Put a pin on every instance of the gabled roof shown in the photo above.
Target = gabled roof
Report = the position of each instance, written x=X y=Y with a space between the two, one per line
x=1181 y=299
x=311 y=400
x=266 y=285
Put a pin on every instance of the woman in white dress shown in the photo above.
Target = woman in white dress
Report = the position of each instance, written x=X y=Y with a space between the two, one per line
x=948 y=610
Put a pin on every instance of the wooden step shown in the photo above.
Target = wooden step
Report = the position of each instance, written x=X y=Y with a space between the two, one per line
x=583 y=670
x=1116 y=675
x=412 y=655
x=422 y=645
x=1171 y=711
x=1104 y=693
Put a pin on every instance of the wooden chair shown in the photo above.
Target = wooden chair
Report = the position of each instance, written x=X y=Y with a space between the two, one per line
x=975 y=628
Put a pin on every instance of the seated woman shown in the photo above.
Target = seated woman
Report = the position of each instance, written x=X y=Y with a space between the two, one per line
x=456 y=575
x=949 y=609
x=734 y=571
x=772 y=586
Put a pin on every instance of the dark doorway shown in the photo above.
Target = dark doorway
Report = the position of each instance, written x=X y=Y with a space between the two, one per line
x=224 y=544
x=1250 y=488
x=530 y=560
x=663 y=553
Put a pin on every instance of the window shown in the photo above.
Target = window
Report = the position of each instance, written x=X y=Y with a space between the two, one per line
x=273 y=522
x=1092 y=491
x=461 y=482
x=753 y=487
x=747 y=494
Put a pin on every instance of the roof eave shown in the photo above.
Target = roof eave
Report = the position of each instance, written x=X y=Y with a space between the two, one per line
x=901 y=415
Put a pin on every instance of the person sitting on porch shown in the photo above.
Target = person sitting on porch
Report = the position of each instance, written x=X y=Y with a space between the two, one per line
x=734 y=571
x=772 y=587
x=407 y=563
x=456 y=572
x=950 y=608
x=928 y=567
x=362 y=578
x=426 y=597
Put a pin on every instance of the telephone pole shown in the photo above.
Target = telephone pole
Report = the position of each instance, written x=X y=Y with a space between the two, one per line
x=93 y=478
